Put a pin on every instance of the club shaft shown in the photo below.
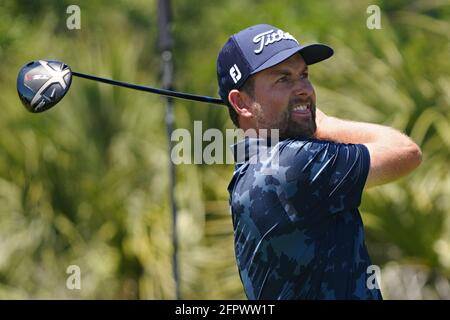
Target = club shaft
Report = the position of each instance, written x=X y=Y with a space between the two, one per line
x=163 y=92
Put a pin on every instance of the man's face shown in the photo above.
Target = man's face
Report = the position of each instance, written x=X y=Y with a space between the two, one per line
x=284 y=99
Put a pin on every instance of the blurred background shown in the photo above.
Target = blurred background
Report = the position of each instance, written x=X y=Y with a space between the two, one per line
x=86 y=183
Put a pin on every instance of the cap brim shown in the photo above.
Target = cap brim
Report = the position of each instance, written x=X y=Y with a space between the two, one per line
x=311 y=53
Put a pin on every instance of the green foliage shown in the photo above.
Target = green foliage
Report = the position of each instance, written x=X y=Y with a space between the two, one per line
x=86 y=183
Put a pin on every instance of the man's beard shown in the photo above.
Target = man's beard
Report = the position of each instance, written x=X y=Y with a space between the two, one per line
x=288 y=128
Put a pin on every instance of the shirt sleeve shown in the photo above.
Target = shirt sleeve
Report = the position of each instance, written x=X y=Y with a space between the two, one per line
x=325 y=176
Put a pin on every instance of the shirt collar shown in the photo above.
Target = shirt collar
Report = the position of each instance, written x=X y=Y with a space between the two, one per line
x=249 y=147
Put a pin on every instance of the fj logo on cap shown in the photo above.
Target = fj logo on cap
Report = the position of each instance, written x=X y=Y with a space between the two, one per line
x=235 y=73
x=269 y=37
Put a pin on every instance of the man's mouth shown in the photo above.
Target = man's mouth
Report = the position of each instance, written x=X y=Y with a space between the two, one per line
x=301 y=110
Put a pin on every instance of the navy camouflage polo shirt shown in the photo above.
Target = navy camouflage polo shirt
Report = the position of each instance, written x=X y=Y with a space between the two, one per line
x=298 y=233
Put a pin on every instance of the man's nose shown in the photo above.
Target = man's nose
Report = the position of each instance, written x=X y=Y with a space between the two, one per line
x=302 y=88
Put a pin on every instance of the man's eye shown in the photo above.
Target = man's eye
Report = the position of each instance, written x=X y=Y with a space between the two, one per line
x=282 y=79
x=305 y=75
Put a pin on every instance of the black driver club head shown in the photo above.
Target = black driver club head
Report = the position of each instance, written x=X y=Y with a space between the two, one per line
x=42 y=83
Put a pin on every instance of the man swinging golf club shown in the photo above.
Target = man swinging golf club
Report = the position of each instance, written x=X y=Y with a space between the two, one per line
x=298 y=232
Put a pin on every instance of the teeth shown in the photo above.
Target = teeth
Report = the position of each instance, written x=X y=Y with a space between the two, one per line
x=301 y=107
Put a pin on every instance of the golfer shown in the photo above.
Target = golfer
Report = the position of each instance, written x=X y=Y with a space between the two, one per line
x=298 y=232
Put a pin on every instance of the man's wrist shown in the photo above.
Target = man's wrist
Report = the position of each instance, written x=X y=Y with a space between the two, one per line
x=321 y=126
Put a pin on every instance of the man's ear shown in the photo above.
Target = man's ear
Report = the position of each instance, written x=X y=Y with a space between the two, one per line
x=240 y=103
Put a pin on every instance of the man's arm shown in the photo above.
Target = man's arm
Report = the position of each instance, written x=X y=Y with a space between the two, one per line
x=392 y=154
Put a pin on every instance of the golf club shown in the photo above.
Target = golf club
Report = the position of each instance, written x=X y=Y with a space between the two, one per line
x=42 y=84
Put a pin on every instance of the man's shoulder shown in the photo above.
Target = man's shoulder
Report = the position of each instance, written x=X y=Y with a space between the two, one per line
x=308 y=147
x=311 y=143
x=296 y=149
x=319 y=164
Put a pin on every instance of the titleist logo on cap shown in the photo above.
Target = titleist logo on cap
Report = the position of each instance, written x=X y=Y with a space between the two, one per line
x=269 y=37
